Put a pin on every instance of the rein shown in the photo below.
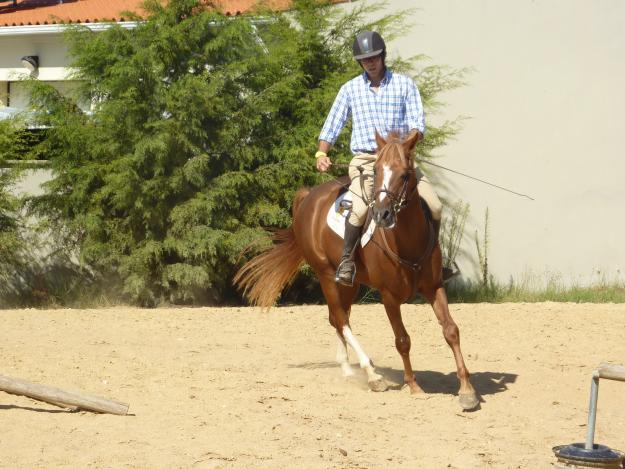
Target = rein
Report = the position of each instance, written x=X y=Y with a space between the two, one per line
x=361 y=170
x=399 y=202
x=416 y=265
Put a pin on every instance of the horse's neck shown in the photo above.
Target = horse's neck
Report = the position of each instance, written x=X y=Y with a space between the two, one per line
x=412 y=226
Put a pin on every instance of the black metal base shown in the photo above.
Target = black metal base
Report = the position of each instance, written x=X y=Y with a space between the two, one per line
x=598 y=456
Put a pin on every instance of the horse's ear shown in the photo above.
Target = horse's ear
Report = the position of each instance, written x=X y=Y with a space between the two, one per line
x=411 y=140
x=379 y=140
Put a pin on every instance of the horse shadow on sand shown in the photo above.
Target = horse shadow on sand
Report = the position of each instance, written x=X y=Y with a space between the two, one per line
x=432 y=382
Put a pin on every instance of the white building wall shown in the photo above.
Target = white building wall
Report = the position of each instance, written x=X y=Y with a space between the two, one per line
x=52 y=53
x=546 y=101
x=53 y=69
x=4 y=90
x=20 y=98
x=53 y=65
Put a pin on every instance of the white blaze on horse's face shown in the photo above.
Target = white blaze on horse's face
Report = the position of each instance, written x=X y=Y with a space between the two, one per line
x=386 y=180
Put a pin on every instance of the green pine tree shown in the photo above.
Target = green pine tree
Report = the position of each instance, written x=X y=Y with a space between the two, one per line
x=203 y=129
x=13 y=145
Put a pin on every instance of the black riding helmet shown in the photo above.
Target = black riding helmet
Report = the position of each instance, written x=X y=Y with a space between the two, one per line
x=368 y=44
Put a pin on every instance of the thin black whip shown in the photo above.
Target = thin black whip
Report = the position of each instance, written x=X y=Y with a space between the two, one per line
x=474 y=178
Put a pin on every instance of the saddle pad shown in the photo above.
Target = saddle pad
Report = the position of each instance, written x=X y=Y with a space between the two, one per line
x=337 y=215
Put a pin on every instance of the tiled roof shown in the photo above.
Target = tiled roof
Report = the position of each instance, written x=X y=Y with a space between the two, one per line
x=37 y=12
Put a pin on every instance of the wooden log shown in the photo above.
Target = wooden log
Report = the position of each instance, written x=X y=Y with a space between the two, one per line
x=57 y=396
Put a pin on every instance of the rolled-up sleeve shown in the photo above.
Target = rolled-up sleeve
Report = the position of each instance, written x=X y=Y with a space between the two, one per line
x=337 y=117
x=414 y=109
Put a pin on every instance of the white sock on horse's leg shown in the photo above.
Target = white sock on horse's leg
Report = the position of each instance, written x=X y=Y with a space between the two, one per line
x=363 y=359
x=342 y=357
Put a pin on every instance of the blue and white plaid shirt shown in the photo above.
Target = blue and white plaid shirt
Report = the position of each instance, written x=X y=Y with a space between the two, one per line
x=396 y=106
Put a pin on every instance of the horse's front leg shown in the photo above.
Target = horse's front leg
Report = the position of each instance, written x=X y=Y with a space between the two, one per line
x=376 y=381
x=339 y=300
x=467 y=395
x=402 y=342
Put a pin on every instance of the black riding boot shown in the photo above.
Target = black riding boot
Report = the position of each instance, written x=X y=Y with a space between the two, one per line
x=448 y=272
x=346 y=270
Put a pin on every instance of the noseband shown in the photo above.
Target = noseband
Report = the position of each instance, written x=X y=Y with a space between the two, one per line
x=398 y=199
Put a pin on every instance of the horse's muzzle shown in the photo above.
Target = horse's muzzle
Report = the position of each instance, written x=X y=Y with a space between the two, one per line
x=384 y=217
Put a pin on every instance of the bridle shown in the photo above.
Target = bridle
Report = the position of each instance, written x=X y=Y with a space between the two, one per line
x=398 y=199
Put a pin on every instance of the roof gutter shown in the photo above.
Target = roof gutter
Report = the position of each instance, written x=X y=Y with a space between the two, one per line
x=35 y=29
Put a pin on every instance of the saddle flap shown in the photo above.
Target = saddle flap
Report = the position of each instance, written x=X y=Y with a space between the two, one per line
x=340 y=210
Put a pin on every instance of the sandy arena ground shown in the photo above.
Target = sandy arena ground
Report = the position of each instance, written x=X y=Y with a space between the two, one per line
x=239 y=388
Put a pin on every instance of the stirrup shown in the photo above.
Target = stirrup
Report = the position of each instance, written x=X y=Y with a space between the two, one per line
x=345 y=272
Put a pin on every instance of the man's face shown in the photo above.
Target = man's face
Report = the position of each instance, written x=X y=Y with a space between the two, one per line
x=373 y=65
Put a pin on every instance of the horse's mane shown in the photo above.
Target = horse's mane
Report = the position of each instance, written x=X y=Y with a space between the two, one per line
x=394 y=137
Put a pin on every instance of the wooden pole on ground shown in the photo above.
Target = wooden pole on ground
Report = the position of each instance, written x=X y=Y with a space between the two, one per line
x=57 y=396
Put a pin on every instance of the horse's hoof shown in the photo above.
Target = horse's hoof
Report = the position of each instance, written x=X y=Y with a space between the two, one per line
x=468 y=401
x=379 y=385
x=415 y=389
x=417 y=392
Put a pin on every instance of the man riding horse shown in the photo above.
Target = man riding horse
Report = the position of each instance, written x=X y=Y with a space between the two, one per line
x=403 y=260
x=377 y=100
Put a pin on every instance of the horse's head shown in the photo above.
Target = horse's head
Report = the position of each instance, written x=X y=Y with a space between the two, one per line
x=394 y=177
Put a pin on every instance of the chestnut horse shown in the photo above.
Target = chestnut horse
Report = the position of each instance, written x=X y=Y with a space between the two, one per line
x=402 y=259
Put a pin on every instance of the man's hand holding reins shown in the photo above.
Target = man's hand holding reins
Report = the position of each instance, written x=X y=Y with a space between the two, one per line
x=323 y=164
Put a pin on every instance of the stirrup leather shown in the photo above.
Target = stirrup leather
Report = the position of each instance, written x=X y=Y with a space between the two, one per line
x=345 y=272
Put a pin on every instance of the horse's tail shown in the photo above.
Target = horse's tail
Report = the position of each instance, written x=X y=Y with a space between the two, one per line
x=265 y=276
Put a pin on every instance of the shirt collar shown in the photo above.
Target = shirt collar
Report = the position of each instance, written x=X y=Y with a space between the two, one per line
x=385 y=79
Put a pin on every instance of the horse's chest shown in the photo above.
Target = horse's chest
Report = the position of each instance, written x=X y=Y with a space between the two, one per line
x=397 y=280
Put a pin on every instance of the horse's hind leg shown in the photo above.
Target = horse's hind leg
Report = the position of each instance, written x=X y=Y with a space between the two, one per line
x=339 y=300
x=402 y=341
x=438 y=299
